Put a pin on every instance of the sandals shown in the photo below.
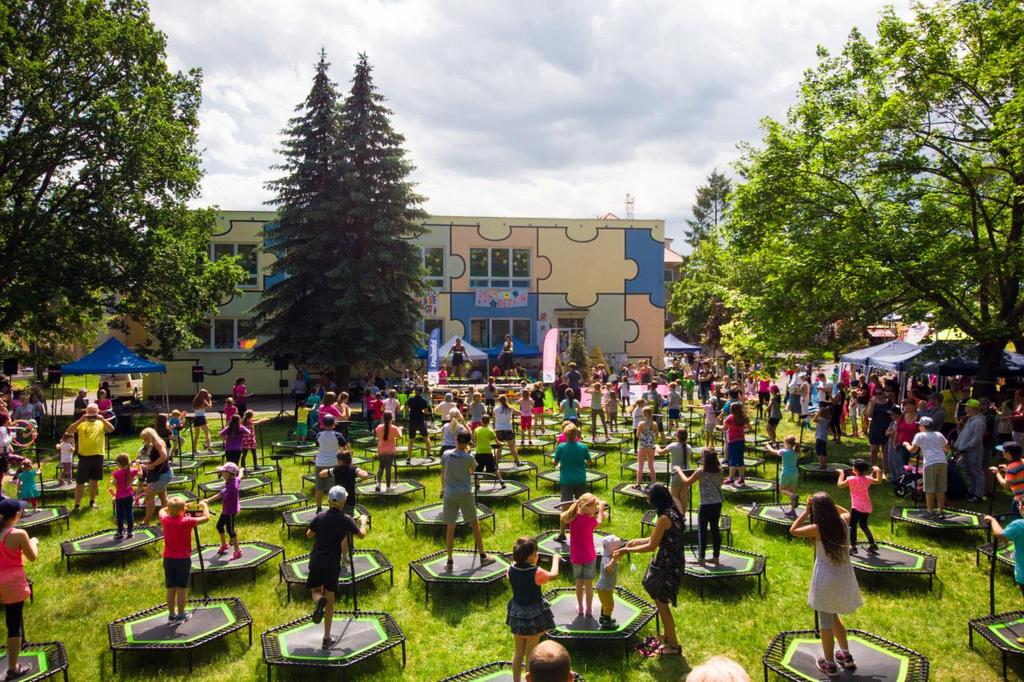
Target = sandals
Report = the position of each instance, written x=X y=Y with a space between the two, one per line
x=15 y=673
x=669 y=650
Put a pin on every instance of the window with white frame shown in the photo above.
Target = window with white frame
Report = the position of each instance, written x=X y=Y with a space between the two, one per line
x=246 y=260
x=487 y=332
x=433 y=265
x=226 y=333
x=499 y=268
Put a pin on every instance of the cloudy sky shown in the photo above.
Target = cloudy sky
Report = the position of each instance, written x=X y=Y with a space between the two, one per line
x=527 y=108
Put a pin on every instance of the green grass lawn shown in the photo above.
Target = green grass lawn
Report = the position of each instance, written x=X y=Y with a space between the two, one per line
x=457 y=631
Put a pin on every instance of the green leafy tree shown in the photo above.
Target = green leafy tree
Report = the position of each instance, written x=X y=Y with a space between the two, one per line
x=578 y=354
x=351 y=294
x=98 y=158
x=709 y=208
x=895 y=184
x=701 y=297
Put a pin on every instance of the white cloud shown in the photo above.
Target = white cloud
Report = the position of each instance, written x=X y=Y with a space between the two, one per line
x=543 y=108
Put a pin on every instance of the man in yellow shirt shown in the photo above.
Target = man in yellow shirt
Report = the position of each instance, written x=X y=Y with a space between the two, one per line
x=91 y=428
x=951 y=399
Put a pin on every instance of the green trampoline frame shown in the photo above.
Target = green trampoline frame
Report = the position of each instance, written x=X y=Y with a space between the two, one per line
x=70 y=548
x=269 y=551
x=914 y=666
x=416 y=518
x=51 y=658
x=289 y=575
x=645 y=612
x=899 y=513
x=428 y=576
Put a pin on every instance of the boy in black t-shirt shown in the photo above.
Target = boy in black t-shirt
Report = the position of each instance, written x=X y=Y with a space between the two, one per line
x=417 y=407
x=347 y=476
x=330 y=531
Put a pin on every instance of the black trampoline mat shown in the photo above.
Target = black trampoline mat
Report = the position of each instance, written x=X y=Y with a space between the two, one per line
x=563 y=608
x=888 y=558
x=548 y=544
x=271 y=501
x=549 y=504
x=491 y=488
x=40 y=516
x=397 y=488
x=554 y=475
x=874 y=664
x=57 y=486
x=417 y=462
x=107 y=542
x=729 y=563
x=246 y=484
x=830 y=468
x=464 y=567
x=603 y=440
x=36 y=662
x=751 y=485
x=660 y=466
x=952 y=520
x=510 y=467
x=364 y=563
x=631 y=490
x=154 y=628
x=252 y=555
x=355 y=635
x=434 y=514
x=776 y=513
x=187 y=495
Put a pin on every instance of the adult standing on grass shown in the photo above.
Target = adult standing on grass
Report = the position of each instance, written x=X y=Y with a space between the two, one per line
x=571 y=459
x=91 y=429
x=330 y=531
x=880 y=409
x=457 y=467
x=417 y=408
x=574 y=379
x=933 y=447
x=665 y=572
x=81 y=402
x=153 y=455
x=970 y=442
x=15 y=546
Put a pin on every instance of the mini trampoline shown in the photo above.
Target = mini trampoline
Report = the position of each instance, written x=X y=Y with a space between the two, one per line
x=254 y=554
x=417 y=462
x=104 y=543
x=815 y=470
x=149 y=630
x=1001 y=630
x=466 y=570
x=361 y=635
x=662 y=467
x=535 y=442
x=550 y=507
x=650 y=518
x=42 y=516
x=548 y=545
x=893 y=560
x=595 y=457
x=592 y=477
x=773 y=514
x=203 y=454
x=399 y=488
x=271 y=502
x=510 y=468
x=732 y=563
x=751 y=486
x=300 y=518
x=498 y=671
x=631 y=490
x=432 y=515
x=185 y=465
x=369 y=563
x=44 y=660
x=792 y=655
x=247 y=484
x=290 y=447
x=1003 y=556
x=631 y=613
x=494 y=490
x=956 y=519
x=182 y=480
x=140 y=501
x=613 y=442
x=55 y=487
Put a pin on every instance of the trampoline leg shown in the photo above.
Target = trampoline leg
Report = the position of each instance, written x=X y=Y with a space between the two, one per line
x=403 y=653
x=113 y=653
x=250 y=633
x=391 y=572
x=426 y=590
x=758 y=586
x=190 y=662
x=765 y=672
x=1004 y=665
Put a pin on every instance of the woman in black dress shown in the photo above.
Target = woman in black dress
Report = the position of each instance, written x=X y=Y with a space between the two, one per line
x=458 y=352
x=665 y=571
x=505 y=356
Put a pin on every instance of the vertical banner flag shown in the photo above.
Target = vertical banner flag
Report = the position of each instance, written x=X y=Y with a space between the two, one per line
x=433 y=361
x=550 y=355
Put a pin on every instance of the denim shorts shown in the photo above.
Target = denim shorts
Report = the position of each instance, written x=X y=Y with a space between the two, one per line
x=160 y=484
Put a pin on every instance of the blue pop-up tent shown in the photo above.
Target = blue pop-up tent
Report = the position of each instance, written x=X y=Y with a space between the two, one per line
x=946 y=358
x=520 y=349
x=113 y=357
x=674 y=344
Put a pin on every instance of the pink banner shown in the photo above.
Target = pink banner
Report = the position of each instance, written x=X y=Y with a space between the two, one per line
x=550 y=350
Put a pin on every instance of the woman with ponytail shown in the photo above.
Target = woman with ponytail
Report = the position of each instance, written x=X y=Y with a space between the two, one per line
x=387 y=446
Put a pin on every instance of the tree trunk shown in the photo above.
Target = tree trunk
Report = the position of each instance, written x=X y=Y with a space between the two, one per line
x=990 y=355
x=343 y=377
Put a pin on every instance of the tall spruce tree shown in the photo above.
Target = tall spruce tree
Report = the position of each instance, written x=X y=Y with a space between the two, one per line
x=352 y=279
x=709 y=208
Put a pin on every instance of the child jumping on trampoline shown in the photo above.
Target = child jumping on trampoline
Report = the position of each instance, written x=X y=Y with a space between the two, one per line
x=229 y=508
x=834 y=588
x=607 y=578
x=584 y=515
x=860 y=484
x=330 y=531
x=176 y=424
x=177 y=528
x=790 y=474
x=67 y=454
x=709 y=481
x=121 y=490
x=346 y=475
x=528 y=615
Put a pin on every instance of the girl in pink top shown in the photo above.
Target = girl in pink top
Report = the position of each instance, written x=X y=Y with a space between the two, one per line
x=864 y=476
x=15 y=546
x=387 y=445
x=582 y=517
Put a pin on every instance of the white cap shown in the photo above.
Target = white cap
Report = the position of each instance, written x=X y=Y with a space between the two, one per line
x=337 y=494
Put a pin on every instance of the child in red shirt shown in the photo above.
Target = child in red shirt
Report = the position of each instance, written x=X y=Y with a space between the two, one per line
x=177 y=527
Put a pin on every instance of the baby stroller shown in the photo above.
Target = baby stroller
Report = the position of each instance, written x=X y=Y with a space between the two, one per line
x=910 y=483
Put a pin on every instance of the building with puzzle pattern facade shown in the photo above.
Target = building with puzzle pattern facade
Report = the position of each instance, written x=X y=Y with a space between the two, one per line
x=488 y=277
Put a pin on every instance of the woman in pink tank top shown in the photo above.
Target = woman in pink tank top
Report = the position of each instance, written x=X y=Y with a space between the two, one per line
x=15 y=546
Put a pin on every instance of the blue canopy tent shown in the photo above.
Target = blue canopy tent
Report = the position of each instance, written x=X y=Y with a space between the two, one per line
x=863 y=356
x=676 y=345
x=520 y=349
x=946 y=358
x=113 y=357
